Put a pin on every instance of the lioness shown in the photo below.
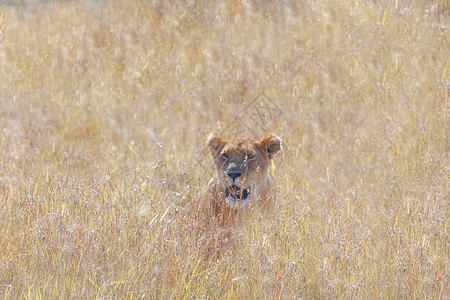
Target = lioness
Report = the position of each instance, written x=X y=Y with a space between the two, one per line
x=242 y=173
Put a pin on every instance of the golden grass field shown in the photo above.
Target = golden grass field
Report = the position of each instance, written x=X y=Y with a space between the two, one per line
x=105 y=107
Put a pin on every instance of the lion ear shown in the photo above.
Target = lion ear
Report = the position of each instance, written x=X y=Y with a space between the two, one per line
x=270 y=144
x=215 y=144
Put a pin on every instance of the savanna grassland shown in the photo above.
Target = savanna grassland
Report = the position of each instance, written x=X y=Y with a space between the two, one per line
x=105 y=107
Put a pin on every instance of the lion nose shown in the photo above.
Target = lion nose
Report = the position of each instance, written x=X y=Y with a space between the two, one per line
x=234 y=174
x=233 y=171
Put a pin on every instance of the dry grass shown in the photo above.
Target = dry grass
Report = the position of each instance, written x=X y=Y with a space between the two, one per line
x=104 y=107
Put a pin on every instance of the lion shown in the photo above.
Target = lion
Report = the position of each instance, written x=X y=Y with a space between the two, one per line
x=242 y=173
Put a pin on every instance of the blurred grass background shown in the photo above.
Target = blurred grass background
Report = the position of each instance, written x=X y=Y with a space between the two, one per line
x=105 y=107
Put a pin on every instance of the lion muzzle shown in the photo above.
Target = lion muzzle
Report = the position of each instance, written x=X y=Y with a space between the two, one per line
x=236 y=192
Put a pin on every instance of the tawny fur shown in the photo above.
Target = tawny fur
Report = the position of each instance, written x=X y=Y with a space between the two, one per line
x=251 y=159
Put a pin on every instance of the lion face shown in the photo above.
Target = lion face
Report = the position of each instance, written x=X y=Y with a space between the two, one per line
x=242 y=166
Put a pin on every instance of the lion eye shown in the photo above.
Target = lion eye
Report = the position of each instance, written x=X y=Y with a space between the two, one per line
x=250 y=156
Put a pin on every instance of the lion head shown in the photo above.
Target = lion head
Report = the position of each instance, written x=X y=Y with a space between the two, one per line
x=242 y=167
